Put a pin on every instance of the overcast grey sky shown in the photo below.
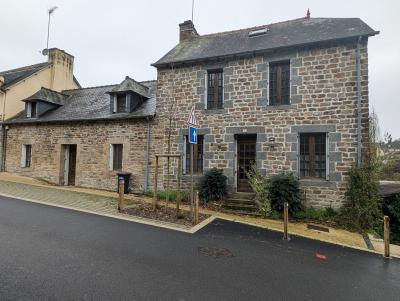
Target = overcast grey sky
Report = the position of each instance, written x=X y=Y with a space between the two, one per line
x=111 y=39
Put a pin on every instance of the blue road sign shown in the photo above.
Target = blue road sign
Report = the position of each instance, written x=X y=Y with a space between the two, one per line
x=192 y=135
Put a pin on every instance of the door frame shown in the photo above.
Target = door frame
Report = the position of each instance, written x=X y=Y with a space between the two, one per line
x=65 y=163
x=241 y=138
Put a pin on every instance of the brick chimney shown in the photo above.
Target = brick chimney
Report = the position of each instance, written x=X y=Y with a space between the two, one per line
x=187 y=30
x=62 y=69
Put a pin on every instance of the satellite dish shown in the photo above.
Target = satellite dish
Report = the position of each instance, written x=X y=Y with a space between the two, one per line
x=45 y=51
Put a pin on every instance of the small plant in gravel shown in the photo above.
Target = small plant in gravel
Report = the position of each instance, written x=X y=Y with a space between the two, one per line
x=213 y=185
x=317 y=214
x=284 y=187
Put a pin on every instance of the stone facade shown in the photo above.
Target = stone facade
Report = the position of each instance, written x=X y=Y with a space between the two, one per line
x=93 y=152
x=323 y=99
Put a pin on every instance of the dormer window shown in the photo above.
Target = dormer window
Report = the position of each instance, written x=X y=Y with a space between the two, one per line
x=127 y=96
x=31 y=109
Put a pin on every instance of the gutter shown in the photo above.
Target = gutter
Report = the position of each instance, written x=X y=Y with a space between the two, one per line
x=4 y=133
x=62 y=121
x=4 y=129
x=359 y=129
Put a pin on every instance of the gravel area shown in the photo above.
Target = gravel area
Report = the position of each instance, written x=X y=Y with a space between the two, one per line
x=163 y=214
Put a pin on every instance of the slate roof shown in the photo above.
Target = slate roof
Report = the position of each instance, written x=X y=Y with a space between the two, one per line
x=130 y=85
x=48 y=95
x=15 y=75
x=92 y=104
x=298 y=32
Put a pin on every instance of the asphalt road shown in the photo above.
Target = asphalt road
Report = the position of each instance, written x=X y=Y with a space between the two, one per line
x=48 y=253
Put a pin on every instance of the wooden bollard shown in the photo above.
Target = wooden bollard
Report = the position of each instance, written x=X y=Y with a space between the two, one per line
x=196 y=209
x=121 y=186
x=386 y=235
x=285 y=220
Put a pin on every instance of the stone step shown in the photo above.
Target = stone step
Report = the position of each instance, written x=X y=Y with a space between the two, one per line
x=241 y=212
x=241 y=195
x=239 y=201
x=240 y=206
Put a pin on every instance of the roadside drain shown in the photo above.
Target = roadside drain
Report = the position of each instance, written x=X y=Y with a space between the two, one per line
x=215 y=252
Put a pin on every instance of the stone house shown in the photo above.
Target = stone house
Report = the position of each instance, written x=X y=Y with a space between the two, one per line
x=290 y=96
x=84 y=136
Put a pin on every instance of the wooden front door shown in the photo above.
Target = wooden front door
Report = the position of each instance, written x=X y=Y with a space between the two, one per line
x=246 y=156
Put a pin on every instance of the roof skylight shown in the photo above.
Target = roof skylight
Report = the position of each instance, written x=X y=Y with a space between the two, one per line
x=258 y=32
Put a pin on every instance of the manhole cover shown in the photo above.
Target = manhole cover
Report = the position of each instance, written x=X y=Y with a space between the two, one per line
x=215 y=252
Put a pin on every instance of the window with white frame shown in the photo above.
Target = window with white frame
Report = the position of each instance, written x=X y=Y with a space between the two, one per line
x=120 y=103
x=116 y=152
x=26 y=155
x=31 y=109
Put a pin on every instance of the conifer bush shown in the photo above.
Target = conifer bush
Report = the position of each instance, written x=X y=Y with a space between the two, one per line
x=213 y=185
x=284 y=187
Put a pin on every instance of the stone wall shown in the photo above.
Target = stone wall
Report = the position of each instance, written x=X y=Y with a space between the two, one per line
x=93 y=141
x=323 y=99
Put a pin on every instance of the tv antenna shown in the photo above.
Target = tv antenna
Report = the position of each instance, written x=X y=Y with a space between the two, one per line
x=192 y=9
x=50 y=12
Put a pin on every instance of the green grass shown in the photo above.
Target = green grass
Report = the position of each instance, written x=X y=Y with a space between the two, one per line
x=322 y=215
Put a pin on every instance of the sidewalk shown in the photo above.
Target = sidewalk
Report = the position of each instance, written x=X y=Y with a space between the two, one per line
x=105 y=203
x=80 y=199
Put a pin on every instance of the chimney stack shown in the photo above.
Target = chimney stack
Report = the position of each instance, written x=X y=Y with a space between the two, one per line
x=187 y=30
x=62 y=69
x=308 y=15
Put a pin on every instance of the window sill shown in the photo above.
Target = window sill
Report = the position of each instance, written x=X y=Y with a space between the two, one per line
x=214 y=111
x=196 y=175
x=316 y=182
x=279 y=107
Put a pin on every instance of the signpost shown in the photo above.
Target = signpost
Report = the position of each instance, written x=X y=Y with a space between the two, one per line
x=193 y=127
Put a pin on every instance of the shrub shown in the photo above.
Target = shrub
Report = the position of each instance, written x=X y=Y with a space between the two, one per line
x=185 y=195
x=362 y=211
x=284 y=187
x=260 y=185
x=391 y=208
x=213 y=185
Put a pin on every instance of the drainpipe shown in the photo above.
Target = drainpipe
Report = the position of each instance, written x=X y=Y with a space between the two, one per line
x=146 y=176
x=4 y=129
x=4 y=104
x=358 y=66
x=4 y=133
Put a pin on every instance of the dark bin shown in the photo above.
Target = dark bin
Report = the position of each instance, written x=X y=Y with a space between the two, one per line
x=126 y=177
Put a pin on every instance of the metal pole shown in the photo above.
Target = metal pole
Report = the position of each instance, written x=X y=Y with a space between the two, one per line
x=386 y=235
x=191 y=180
x=285 y=221
x=359 y=130
x=196 y=209
x=178 y=197
x=121 y=186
